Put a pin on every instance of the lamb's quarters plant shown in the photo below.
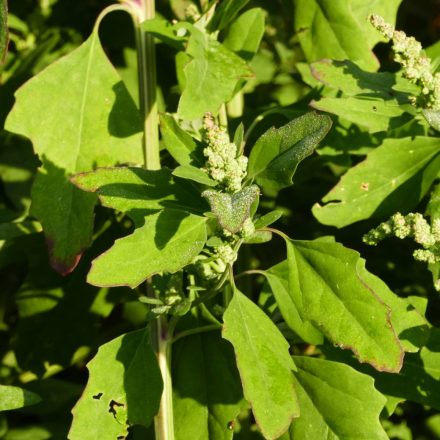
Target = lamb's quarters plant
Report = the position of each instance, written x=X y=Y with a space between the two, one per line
x=163 y=277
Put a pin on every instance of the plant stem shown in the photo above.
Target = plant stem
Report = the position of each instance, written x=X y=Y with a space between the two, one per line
x=147 y=86
x=164 y=421
x=195 y=331
x=161 y=334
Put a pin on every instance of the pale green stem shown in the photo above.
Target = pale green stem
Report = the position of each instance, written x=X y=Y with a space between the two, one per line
x=195 y=331
x=161 y=334
x=235 y=106
x=164 y=421
x=222 y=116
x=147 y=86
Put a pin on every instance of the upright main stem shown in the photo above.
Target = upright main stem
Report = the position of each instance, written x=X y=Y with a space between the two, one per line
x=163 y=422
x=147 y=87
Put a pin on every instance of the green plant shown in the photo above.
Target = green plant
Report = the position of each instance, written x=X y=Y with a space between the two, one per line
x=157 y=283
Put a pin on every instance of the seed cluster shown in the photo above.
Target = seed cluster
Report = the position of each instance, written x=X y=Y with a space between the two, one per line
x=222 y=163
x=416 y=66
x=414 y=226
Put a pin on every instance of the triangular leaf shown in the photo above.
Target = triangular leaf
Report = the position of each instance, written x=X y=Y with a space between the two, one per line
x=277 y=277
x=225 y=13
x=399 y=169
x=179 y=143
x=264 y=364
x=336 y=401
x=137 y=191
x=328 y=290
x=245 y=33
x=192 y=173
x=373 y=113
x=124 y=389
x=207 y=386
x=15 y=397
x=78 y=115
x=168 y=241
x=433 y=118
x=277 y=153
x=328 y=29
x=232 y=210
x=210 y=77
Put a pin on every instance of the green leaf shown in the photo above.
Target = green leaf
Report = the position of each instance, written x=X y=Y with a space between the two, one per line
x=277 y=277
x=56 y=324
x=14 y=397
x=410 y=325
x=277 y=153
x=137 y=191
x=433 y=118
x=210 y=77
x=164 y=31
x=336 y=401
x=78 y=115
x=13 y=230
x=3 y=30
x=124 y=389
x=264 y=364
x=168 y=241
x=419 y=380
x=18 y=165
x=372 y=113
x=350 y=79
x=225 y=13
x=361 y=10
x=245 y=33
x=268 y=219
x=396 y=171
x=207 y=386
x=328 y=29
x=232 y=210
x=192 y=173
x=179 y=143
x=328 y=290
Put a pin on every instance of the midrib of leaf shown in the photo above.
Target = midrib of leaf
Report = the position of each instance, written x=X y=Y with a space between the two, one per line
x=205 y=69
x=80 y=135
x=341 y=46
x=169 y=242
x=261 y=154
x=248 y=334
x=332 y=389
x=400 y=178
x=329 y=428
x=360 y=326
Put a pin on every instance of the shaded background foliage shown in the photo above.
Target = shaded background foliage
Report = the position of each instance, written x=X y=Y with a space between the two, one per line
x=50 y=325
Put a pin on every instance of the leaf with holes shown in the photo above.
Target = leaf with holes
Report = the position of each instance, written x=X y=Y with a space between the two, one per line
x=124 y=389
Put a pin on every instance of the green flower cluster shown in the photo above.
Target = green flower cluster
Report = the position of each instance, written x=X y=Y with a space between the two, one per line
x=416 y=66
x=414 y=226
x=227 y=167
x=223 y=165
